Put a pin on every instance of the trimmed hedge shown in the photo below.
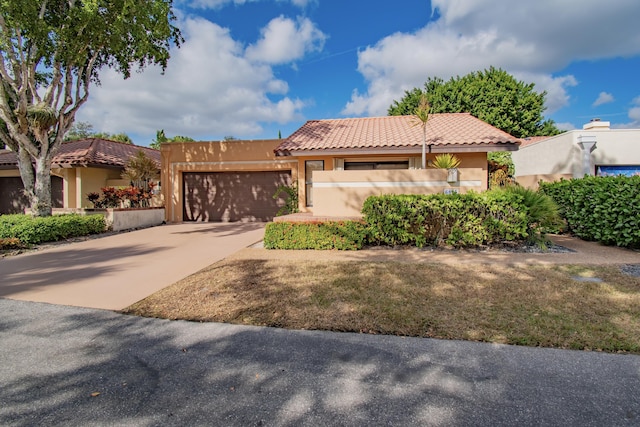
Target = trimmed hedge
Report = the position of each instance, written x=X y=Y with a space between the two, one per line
x=603 y=209
x=459 y=220
x=30 y=230
x=343 y=235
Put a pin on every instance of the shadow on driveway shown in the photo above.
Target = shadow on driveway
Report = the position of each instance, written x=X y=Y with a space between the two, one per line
x=66 y=266
x=222 y=229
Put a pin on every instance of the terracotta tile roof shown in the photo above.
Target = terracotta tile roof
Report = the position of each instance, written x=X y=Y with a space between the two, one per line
x=532 y=140
x=89 y=152
x=443 y=129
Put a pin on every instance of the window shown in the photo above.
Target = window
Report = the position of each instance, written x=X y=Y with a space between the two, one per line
x=309 y=167
x=376 y=165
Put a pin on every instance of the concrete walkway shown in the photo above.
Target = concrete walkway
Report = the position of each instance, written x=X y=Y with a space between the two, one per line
x=114 y=272
x=581 y=252
x=70 y=366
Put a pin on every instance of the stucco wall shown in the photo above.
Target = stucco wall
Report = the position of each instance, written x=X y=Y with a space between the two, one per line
x=470 y=161
x=9 y=172
x=126 y=219
x=91 y=180
x=215 y=156
x=342 y=193
x=562 y=156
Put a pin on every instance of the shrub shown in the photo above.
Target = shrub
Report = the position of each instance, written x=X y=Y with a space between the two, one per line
x=127 y=197
x=342 y=235
x=10 y=243
x=30 y=230
x=604 y=209
x=446 y=161
x=459 y=220
x=291 y=201
x=543 y=213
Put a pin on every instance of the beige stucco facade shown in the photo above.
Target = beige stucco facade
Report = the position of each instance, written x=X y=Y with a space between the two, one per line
x=338 y=192
x=80 y=181
x=561 y=156
x=9 y=173
x=215 y=156
x=77 y=182
x=335 y=191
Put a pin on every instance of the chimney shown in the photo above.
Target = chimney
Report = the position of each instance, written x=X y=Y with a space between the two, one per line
x=597 y=124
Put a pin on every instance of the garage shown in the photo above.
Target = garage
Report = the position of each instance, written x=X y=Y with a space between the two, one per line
x=232 y=196
x=13 y=200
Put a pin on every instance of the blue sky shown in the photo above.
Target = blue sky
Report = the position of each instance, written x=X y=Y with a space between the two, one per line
x=252 y=68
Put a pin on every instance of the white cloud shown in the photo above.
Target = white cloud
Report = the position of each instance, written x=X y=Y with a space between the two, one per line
x=603 y=98
x=565 y=126
x=212 y=87
x=532 y=40
x=556 y=88
x=284 y=40
x=633 y=114
x=217 y=4
x=301 y=3
x=212 y=4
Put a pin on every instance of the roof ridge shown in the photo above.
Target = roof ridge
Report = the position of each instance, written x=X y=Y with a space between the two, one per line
x=388 y=117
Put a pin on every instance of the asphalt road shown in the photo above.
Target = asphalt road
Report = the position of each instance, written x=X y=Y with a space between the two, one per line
x=69 y=366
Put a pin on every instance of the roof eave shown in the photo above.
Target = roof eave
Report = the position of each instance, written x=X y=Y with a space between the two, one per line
x=449 y=148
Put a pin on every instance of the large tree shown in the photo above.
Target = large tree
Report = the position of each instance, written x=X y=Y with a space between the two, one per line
x=162 y=138
x=51 y=52
x=492 y=95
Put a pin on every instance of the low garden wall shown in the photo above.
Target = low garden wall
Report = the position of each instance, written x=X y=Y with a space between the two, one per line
x=123 y=219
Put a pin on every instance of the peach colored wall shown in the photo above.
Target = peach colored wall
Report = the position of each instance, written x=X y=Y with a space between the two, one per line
x=342 y=193
x=215 y=156
x=302 y=190
x=9 y=173
x=532 y=181
x=78 y=182
x=68 y=186
x=91 y=180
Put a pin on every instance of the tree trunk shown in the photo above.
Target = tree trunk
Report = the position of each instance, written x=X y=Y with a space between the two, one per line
x=27 y=173
x=41 y=203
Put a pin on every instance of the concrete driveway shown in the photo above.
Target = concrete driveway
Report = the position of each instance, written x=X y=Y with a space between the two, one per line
x=114 y=272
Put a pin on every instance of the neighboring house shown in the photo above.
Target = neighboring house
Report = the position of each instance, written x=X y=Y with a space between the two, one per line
x=80 y=167
x=596 y=149
x=336 y=165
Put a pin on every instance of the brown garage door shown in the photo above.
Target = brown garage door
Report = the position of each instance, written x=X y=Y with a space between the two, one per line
x=13 y=200
x=232 y=196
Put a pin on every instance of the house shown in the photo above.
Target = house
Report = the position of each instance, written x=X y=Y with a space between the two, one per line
x=335 y=163
x=223 y=180
x=80 y=167
x=596 y=149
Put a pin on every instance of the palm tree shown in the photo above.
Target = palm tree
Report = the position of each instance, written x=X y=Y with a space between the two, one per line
x=420 y=117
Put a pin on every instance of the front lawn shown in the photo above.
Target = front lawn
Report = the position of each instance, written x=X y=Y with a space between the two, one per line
x=526 y=305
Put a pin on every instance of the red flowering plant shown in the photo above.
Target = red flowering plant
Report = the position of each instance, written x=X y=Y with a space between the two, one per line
x=127 y=197
x=140 y=170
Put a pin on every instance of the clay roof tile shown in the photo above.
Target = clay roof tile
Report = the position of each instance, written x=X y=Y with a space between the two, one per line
x=393 y=131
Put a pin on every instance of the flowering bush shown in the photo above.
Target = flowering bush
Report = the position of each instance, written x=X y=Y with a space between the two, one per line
x=128 y=197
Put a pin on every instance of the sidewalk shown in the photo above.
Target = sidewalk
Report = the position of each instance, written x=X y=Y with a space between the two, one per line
x=582 y=253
